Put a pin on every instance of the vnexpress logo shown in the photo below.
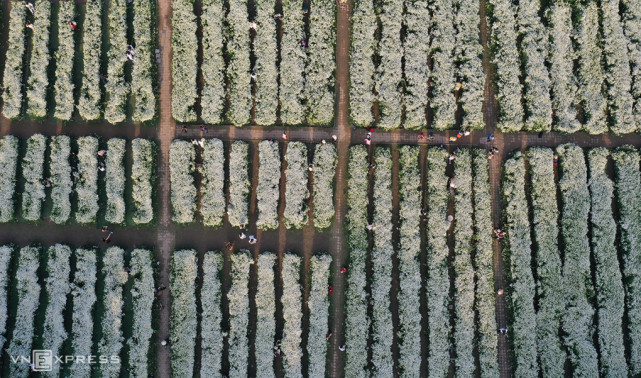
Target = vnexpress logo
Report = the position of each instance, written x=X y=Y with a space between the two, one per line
x=42 y=360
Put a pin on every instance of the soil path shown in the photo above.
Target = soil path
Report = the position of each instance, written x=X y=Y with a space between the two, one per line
x=166 y=133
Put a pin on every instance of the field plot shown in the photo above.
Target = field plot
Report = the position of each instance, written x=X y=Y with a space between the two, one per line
x=417 y=63
x=62 y=179
x=96 y=75
x=424 y=214
x=87 y=303
x=200 y=167
x=217 y=311
x=575 y=68
x=573 y=281
x=256 y=67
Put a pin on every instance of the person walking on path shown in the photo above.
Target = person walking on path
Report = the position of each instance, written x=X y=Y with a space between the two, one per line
x=31 y=8
x=74 y=25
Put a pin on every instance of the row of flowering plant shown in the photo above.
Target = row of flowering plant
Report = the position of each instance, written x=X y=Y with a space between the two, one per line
x=212 y=196
x=522 y=284
x=361 y=69
x=318 y=305
x=83 y=292
x=32 y=167
x=182 y=156
x=607 y=277
x=142 y=299
x=39 y=61
x=210 y=332
x=142 y=175
x=265 y=314
x=357 y=322
x=416 y=51
x=324 y=171
x=266 y=52
x=389 y=72
x=5 y=257
x=292 y=315
x=443 y=75
x=267 y=191
x=142 y=88
x=212 y=98
x=296 y=185
x=183 y=320
x=60 y=177
x=237 y=208
x=116 y=88
x=12 y=78
x=115 y=181
x=64 y=57
x=184 y=67
x=9 y=162
x=628 y=180
x=292 y=64
x=238 y=298
x=469 y=52
x=409 y=260
x=87 y=180
x=57 y=288
x=238 y=50
x=89 y=106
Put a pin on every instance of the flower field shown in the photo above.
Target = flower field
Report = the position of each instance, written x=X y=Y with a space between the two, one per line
x=423 y=225
x=74 y=178
x=104 y=92
x=60 y=275
x=293 y=75
x=185 y=316
x=578 y=303
x=196 y=169
x=580 y=56
x=439 y=43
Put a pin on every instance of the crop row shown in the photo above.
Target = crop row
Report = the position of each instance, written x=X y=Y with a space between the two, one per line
x=561 y=294
x=92 y=102
x=305 y=69
x=423 y=231
x=210 y=160
x=184 y=316
x=58 y=285
x=73 y=168
x=444 y=33
x=601 y=39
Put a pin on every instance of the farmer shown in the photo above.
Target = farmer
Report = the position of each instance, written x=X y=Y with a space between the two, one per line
x=31 y=8
x=369 y=227
x=334 y=138
x=253 y=25
x=242 y=235
x=303 y=42
x=368 y=142
x=342 y=348
x=252 y=239
x=108 y=238
x=330 y=289
x=73 y=25
x=453 y=139
x=451 y=158
x=343 y=270
x=284 y=135
x=30 y=25
x=311 y=167
x=229 y=246
x=254 y=76
x=555 y=161
x=421 y=136
x=278 y=16
x=204 y=129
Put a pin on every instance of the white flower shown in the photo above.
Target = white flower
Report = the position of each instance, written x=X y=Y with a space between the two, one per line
x=9 y=162
x=183 y=318
x=83 y=291
x=32 y=165
x=114 y=277
x=142 y=294
x=142 y=173
x=292 y=316
x=361 y=68
x=115 y=181
x=438 y=281
x=87 y=180
x=60 y=177
x=238 y=297
x=89 y=106
x=607 y=276
x=212 y=195
x=212 y=98
x=238 y=46
x=237 y=207
x=12 y=79
x=267 y=191
x=357 y=322
x=416 y=50
x=26 y=284
x=389 y=71
x=381 y=280
x=64 y=57
x=522 y=283
x=591 y=73
x=551 y=301
x=117 y=91
x=211 y=316
x=628 y=182
x=296 y=179
x=319 y=72
x=631 y=19
x=183 y=191
x=57 y=287
x=266 y=52
x=184 y=67
x=324 y=171
x=318 y=305
x=577 y=320
x=265 y=316
x=39 y=61
x=484 y=260
x=508 y=66
x=292 y=64
x=443 y=76
x=142 y=89
x=5 y=257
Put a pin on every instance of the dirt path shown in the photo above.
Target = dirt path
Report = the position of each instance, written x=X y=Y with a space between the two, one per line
x=166 y=133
